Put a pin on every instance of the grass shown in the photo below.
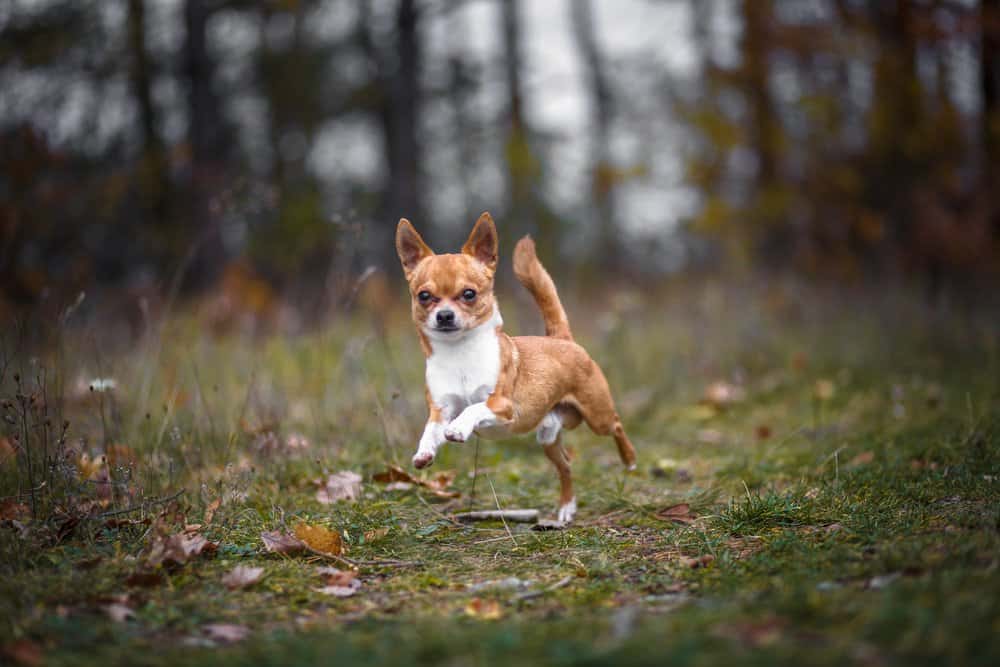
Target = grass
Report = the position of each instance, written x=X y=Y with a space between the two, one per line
x=843 y=478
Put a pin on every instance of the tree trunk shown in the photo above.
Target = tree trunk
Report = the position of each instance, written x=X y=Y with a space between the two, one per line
x=989 y=80
x=519 y=160
x=395 y=102
x=208 y=143
x=404 y=115
x=757 y=18
x=608 y=247
x=154 y=177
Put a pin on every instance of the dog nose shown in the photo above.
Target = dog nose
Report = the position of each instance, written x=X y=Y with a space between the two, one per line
x=445 y=317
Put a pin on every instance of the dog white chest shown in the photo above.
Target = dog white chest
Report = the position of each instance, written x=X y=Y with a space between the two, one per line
x=466 y=370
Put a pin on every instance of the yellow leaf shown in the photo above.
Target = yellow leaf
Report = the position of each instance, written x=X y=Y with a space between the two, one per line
x=488 y=610
x=320 y=538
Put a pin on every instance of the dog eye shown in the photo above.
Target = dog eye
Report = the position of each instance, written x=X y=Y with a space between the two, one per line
x=469 y=294
x=424 y=296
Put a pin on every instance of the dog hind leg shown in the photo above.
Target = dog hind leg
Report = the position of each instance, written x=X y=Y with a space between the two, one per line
x=549 y=437
x=593 y=400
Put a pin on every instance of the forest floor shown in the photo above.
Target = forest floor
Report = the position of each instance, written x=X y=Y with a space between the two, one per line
x=819 y=481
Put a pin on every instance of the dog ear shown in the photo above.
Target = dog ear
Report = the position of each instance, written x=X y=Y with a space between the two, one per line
x=482 y=243
x=410 y=247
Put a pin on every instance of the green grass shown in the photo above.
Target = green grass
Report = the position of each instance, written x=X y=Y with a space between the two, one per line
x=846 y=508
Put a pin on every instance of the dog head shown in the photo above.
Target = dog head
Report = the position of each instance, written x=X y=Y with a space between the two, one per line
x=453 y=293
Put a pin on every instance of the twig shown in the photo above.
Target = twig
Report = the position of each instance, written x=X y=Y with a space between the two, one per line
x=350 y=562
x=444 y=516
x=536 y=594
x=500 y=509
x=516 y=516
x=151 y=503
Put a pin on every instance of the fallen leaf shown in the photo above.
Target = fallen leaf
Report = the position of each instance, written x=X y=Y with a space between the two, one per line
x=212 y=509
x=119 y=612
x=709 y=436
x=11 y=510
x=487 y=610
x=339 y=583
x=824 y=389
x=296 y=441
x=178 y=549
x=227 y=632
x=344 y=485
x=88 y=563
x=320 y=538
x=7 y=451
x=376 y=534
x=144 y=579
x=680 y=513
x=756 y=633
x=697 y=562
x=438 y=483
x=722 y=394
x=242 y=576
x=863 y=458
x=24 y=652
x=281 y=543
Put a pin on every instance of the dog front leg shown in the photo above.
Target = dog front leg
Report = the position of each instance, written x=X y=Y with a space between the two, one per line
x=432 y=438
x=494 y=411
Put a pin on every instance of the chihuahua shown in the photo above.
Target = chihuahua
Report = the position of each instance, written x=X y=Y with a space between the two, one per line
x=479 y=379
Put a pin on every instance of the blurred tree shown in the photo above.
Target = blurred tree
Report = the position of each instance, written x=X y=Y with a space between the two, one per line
x=154 y=176
x=522 y=165
x=604 y=174
x=210 y=143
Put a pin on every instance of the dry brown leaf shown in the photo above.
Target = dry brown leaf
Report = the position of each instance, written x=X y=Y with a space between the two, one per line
x=487 y=610
x=680 y=513
x=699 y=561
x=320 y=538
x=227 y=632
x=7 y=451
x=144 y=579
x=242 y=576
x=281 y=543
x=24 y=652
x=345 y=485
x=722 y=394
x=119 y=612
x=863 y=458
x=824 y=389
x=376 y=534
x=10 y=509
x=212 y=509
x=438 y=483
x=339 y=583
x=178 y=549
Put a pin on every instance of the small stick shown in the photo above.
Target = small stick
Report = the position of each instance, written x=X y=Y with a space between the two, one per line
x=535 y=594
x=497 y=501
x=350 y=562
x=515 y=516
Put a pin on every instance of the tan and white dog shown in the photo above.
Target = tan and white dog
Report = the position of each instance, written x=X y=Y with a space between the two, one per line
x=479 y=379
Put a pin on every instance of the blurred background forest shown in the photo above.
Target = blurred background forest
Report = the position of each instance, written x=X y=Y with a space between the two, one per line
x=266 y=149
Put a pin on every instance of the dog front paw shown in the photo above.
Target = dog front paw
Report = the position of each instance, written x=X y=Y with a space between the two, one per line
x=422 y=459
x=456 y=433
x=567 y=511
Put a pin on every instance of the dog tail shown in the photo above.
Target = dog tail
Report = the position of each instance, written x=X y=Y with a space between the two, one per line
x=537 y=280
